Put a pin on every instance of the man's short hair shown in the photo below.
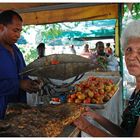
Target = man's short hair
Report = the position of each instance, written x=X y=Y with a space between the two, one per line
x=6 y=17
x=108 y=44
x=41 y=45
x=99 y=44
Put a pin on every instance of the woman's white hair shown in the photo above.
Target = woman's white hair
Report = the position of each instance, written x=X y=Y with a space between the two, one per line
x=132 y=30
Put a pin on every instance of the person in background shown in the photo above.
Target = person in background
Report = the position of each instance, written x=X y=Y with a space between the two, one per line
x=86 y=52
x=130 y=126
x=100 y=49
x=108 y=49
x=114 y=49
x=13 y=87
x=99 y=57
x=72 y=49
x=113 y=63
x=36 y=98
x=41 y=50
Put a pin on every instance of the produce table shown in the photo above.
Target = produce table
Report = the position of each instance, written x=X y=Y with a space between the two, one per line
x=69 y=131
x=112 y=109
x=22 y=120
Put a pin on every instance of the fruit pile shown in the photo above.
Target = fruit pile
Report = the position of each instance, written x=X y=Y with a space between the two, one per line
x=93 y=90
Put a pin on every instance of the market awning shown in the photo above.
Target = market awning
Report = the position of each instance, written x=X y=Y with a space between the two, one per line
x=84 y=31
x=92 y=38
x=44 y=13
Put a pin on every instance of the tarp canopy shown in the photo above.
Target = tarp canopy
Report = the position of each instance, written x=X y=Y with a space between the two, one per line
x=44 y=13
x=95 y=28
x=85 y=31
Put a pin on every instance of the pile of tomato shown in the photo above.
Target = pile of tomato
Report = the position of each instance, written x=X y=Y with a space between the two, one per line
x=93 y=90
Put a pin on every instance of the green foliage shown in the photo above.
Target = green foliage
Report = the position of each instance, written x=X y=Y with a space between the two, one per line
x=129 y=15
x=26 y=28
x=50 y=32
x=31 y=56
x=29 y=53
x=135 y=10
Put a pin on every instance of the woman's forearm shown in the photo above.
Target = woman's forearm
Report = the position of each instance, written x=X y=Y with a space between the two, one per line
x=108 y=125
x=96 y=132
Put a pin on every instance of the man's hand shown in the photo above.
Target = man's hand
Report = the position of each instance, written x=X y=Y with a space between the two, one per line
x=30 y=85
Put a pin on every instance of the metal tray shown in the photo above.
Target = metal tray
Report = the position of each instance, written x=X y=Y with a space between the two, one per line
x=116 y=80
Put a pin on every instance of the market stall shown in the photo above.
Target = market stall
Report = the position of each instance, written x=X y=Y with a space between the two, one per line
x=34 y=14
x=99 y=90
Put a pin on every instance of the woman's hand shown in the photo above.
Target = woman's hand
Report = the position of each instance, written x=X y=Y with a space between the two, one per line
x=81 y=123
x=30 y=85
x=89 y=112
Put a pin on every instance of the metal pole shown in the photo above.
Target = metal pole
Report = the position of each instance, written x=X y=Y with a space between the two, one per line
x=120 y=6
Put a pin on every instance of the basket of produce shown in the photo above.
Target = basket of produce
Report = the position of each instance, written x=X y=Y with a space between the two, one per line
x=94 y=91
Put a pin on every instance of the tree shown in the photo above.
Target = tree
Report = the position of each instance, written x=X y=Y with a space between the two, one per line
x=133 y=9
x=50 y=32
x=131 y=12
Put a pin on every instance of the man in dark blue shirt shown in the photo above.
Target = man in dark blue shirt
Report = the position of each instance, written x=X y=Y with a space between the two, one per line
x=13 y=87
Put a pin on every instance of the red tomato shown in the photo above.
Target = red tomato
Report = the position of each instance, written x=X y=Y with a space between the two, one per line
x=56 y=99
x=73 y=96
x=54 y=62
x=70 y=100
x=96 y=95
x=87 y=101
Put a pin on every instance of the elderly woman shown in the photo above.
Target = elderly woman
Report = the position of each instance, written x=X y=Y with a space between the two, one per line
x=130 y=125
